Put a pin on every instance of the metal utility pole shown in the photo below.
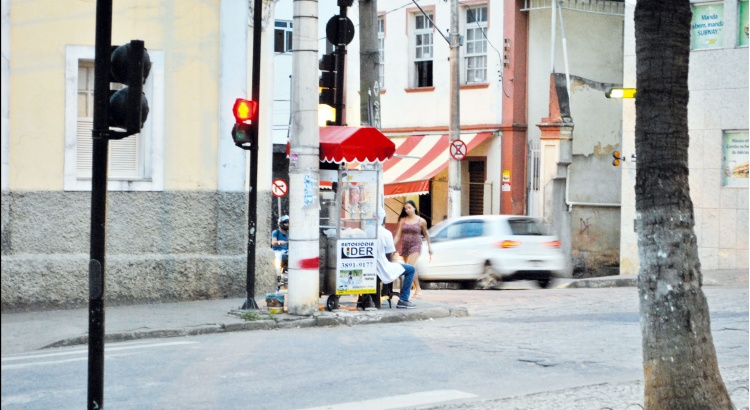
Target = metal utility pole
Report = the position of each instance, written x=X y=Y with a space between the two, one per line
x=100 y=134
x=454 y=166
x=369 y=59
x=252 y=202
x=304 y=164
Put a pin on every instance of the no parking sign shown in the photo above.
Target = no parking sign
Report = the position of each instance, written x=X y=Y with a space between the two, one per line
x=279 y=188
x=458 y=150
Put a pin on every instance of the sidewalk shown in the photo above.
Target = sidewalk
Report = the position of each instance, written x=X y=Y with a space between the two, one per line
x=29 y=331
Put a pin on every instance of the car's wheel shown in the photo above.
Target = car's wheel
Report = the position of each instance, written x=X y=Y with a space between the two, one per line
x=544 y=283
x=489 y=279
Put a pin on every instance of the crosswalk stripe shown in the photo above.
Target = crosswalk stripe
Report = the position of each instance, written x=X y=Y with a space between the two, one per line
x=32 y=356
x=400 y=401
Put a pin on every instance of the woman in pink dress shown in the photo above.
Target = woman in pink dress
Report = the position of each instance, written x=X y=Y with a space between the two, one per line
x=409 y=233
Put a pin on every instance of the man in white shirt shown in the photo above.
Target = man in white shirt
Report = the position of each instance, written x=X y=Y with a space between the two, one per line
x=389 y=271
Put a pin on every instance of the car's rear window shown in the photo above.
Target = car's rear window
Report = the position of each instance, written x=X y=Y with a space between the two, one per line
x=524 y=226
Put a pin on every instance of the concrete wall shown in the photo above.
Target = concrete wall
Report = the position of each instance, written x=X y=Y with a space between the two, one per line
x=160 y=247
x=580 y=202
x=718 y=85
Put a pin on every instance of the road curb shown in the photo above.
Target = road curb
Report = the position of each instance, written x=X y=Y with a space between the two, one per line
x=614 y=283
x=267 y=321
x=602 y=283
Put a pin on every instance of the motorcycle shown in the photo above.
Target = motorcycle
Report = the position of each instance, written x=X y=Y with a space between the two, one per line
x=281 y=263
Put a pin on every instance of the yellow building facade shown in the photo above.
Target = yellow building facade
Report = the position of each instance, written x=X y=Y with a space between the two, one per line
x=177 y=206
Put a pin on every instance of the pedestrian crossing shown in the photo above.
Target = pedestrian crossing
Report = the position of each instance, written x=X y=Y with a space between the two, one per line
x=66 y=355
x=400 y=401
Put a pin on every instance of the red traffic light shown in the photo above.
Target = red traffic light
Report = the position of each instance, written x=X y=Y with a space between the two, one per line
x=244 y=110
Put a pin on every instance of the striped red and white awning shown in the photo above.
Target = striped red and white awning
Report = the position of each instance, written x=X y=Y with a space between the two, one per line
x=427 y=156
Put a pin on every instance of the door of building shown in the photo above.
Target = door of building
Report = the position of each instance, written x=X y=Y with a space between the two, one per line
x=477 y=176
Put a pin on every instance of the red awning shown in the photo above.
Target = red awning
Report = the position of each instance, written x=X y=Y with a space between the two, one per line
x=410 y=176
x=353 y=144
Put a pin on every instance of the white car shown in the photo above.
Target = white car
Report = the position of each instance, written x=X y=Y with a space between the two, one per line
x=488 y=249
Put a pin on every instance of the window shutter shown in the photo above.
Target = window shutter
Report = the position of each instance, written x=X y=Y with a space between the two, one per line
x=84 y=148
x=123 y=154
x=123 y=157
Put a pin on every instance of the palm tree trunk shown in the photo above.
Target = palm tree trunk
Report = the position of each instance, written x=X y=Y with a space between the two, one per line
x=679 y=358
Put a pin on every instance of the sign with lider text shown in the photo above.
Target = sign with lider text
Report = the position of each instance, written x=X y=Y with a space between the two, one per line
x=356 y=272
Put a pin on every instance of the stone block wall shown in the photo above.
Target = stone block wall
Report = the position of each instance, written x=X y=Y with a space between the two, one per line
x=160 y=246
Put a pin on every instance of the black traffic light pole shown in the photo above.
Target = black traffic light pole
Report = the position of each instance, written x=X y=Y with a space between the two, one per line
x=252 y=202
x=97 y=264
x=129 y=107
x=341 y=61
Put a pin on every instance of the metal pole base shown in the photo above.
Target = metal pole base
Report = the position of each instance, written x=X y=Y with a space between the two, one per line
x=249 y=304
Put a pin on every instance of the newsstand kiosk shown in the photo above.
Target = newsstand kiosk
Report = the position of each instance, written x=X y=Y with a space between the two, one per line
x=350 y=196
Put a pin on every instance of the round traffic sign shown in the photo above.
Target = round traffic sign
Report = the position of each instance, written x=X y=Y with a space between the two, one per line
x=458 y=150
x=337 y=36
x=279 y=188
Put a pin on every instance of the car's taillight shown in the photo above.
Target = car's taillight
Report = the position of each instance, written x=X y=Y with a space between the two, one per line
x=552 y=244
x=507 y=244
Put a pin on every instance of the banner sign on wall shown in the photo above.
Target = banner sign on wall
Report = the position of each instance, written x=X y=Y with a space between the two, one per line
x=736 y=159
x=744 y=31
x=707 y=28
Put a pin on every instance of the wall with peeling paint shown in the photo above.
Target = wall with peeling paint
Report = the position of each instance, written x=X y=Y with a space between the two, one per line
x=581 y=202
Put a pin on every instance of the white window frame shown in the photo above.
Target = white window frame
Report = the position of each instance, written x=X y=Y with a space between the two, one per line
x=286 y=27
x=381 y=51
x=426 y=35
x=476 y=46
x=151 y=160
x=125 y=155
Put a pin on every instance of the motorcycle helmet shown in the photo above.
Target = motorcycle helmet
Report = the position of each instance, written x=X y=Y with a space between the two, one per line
x=284 y=221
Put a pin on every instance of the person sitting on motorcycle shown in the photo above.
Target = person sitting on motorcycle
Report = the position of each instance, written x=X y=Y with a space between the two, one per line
x=280 y=240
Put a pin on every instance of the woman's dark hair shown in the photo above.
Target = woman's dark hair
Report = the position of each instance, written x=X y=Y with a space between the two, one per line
x=403 y=210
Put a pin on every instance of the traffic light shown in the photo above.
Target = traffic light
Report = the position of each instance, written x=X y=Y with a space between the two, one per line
x=618 y=157
x=128 y=107
x=327 y=82
x=243 y=132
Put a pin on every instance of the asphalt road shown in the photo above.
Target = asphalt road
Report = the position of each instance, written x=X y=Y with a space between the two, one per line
x=515 y=343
